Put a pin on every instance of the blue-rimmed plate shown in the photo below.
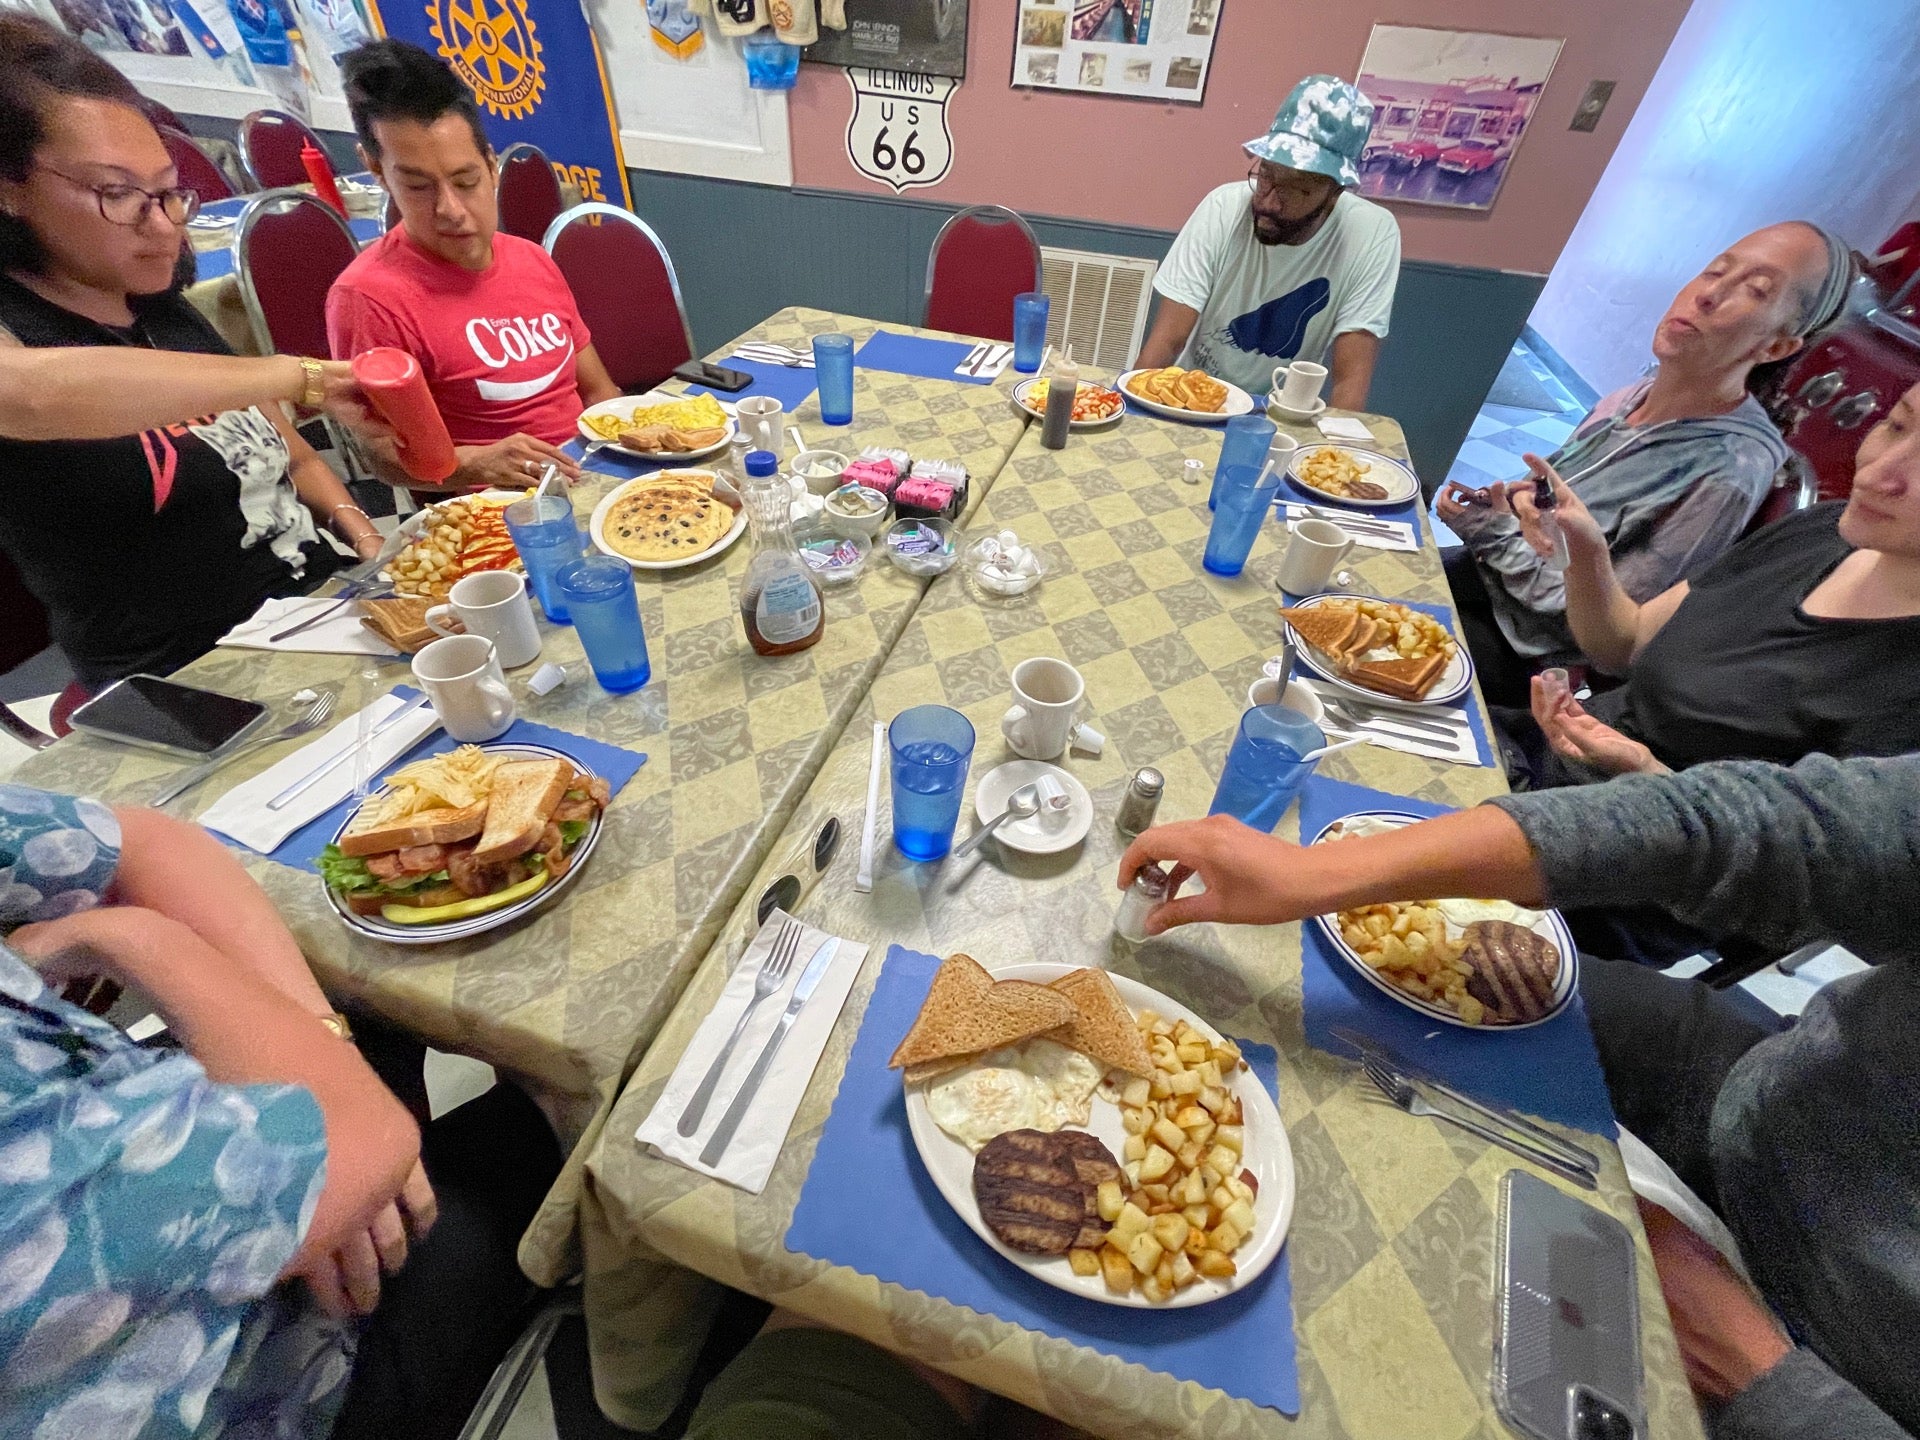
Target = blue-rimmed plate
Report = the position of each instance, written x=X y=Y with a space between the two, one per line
x=1546 y=923
x=376 y=928
x=1391 y=475
x=1238 y=402
x=1454 y=682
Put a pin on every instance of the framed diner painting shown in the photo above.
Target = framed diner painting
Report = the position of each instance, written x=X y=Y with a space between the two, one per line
x=1143 y=49
x=1451 y=107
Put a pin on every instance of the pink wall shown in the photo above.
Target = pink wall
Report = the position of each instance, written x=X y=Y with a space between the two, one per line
x=1144 y=163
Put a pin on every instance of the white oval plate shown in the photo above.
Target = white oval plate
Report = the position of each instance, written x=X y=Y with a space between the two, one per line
x=1551 y=925
x=1033 y=835
x=624 y=405
x=1401 y=483
x=596 y=527
x=1025 y=388
x=1268 y=1156
x=376 y=928
x=1455 y=681
x=1239 y=402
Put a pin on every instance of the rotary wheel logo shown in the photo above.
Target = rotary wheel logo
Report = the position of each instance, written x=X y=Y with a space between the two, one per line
x=490 y=45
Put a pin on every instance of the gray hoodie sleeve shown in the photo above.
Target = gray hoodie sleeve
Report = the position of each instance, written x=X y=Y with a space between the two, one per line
x=1829 y=849
x=1496 y=542
x=1802 y=1399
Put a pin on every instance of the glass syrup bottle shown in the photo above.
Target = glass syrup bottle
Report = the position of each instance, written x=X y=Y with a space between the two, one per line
x=780 y=602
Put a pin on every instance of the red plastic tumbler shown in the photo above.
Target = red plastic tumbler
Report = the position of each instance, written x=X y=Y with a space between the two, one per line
x=320 y=172
x=394 y=383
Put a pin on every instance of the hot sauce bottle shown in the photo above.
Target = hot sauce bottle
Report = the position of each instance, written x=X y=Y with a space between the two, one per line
x=780 y=602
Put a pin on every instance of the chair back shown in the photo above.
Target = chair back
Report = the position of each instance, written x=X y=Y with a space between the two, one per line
x=624 y=283
x=1795 y=487
x=288 y=250
x=197 y=170
x=270 y=143
x=980 y=260
x=529 y=192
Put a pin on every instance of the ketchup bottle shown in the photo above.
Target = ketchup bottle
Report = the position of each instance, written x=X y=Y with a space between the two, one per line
x=320 y=172
x=398 y=390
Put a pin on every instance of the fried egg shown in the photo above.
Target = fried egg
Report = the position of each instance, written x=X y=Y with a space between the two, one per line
x=1037 y=1085
x=1464 y=912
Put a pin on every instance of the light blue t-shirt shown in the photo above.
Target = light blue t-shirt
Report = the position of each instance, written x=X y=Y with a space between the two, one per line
x=146 y=1211
x=1263 y=305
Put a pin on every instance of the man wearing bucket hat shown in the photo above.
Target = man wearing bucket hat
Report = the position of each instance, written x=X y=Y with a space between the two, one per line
x=1288 y=264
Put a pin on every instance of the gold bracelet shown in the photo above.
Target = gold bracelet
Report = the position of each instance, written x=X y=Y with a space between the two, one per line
x=337 y=1023
x=314 y=390
x=348 y=505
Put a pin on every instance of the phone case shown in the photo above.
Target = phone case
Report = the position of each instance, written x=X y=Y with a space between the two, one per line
x=716 y=377
x=1566 y=1346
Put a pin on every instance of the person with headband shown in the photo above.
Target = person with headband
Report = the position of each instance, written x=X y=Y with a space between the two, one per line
x=1672 y=468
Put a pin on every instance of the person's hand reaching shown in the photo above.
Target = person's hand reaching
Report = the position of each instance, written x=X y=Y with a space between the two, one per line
x=1576 y=735
x=515 y=463
x=1250 y=878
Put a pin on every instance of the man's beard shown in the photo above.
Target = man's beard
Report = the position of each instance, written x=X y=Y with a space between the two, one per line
x=1292 y=232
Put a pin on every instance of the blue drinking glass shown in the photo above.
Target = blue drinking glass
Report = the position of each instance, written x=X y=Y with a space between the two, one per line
x=931 y=746
x=1246 y=442
x=1029 y=330
x=1264 y=770
x=1243 y=507
x=606 y=615
x=833 y=372
x=544 y=533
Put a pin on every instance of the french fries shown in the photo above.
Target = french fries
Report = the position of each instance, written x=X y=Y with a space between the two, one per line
x=1187 y=1202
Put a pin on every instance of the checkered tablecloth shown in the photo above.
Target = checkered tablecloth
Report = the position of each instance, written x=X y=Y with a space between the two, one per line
x=1392 y=1242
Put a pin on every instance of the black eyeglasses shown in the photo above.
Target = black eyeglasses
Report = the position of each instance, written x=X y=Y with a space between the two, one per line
x=1263 y=181
x=129 y=204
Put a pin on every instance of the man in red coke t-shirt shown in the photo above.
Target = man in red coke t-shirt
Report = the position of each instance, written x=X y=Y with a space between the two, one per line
x=489 y=316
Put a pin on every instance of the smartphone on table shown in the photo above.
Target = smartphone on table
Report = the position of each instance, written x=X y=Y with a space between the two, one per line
x=714 y=377
x=158 y=714
x=1566 y=1346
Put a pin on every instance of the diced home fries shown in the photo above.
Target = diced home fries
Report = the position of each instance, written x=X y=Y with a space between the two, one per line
x=1407 y=943
x=1187 y=1201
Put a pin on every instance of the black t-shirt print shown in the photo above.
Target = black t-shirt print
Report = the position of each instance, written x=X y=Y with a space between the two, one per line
x=1742 y=672
x=146 y=548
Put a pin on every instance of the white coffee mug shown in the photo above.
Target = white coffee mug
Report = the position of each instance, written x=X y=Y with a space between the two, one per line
x=492 y=603
x=1299 y=383
x=1316 y=549
x=759 y=417
x=1266 y=691
x=463 y=681
x=1044 y=718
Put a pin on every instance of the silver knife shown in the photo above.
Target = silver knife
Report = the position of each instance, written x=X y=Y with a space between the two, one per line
x=1383 y=715
x=730 y=1122
x=1575 y=1155
x=995 y=354
x=973 y=357
x=293 y=791
x=1358 y=522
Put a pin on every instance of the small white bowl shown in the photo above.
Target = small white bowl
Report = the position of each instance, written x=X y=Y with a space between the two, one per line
x=867 y=525
x=1266 y=691
x=830 y=463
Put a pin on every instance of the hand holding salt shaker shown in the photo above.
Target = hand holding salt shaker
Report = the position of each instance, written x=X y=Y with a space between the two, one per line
x=1149 y=888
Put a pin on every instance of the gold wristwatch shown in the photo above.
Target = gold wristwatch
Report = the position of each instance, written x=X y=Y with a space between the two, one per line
x=315 y=389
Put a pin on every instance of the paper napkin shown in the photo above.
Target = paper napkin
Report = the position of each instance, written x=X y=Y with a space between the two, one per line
x=341 y=633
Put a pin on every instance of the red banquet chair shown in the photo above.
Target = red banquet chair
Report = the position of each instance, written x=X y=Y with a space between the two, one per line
x=270 y=143
x=624 y=283
x=980 y=260
x=197 y=170
x=288 y=250
x=530 y=196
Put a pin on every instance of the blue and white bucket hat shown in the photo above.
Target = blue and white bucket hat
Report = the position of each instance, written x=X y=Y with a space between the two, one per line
x=1322 y=127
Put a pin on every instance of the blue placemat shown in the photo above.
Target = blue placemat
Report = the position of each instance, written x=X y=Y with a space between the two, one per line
x=1466 y=702
x=616 y=766
x=1550 y=1070
x=790 y=385
x=917 y=355
x=213 y=264
x=869 y=1204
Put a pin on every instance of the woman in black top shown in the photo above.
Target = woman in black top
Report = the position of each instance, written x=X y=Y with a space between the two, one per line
x=1804 y=637
x=145 y=549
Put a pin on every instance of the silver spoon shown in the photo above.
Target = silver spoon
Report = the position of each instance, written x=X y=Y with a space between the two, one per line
x=1021 y=805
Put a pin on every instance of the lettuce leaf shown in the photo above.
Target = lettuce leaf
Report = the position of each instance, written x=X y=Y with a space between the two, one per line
x=572 y=831
x=346 y=873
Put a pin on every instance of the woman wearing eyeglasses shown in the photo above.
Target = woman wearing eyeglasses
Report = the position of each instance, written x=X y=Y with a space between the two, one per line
x=147 y=547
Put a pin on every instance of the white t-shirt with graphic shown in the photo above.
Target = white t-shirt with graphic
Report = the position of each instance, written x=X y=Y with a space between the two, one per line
x=1263 y=305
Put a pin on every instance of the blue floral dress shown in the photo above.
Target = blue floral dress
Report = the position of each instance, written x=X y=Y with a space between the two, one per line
x=145 y=1210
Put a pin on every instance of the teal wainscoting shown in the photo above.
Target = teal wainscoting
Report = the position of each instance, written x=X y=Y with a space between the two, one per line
x=743 y=251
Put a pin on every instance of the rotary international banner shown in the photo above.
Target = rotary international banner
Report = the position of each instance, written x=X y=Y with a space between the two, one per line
x=534 y=66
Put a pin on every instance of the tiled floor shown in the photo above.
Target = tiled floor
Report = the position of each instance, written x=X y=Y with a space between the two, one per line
x=1501 y=434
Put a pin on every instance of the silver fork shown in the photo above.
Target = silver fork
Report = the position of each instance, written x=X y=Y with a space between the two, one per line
x=312 y=718
x=773 y=971
x=1400 y=1090
x=1354 y=718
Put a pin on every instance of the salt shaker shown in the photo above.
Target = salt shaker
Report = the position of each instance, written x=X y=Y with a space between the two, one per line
x=1140 y=801
x=1149 y=888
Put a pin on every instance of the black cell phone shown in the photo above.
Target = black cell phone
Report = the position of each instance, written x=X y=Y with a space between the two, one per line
x=159 y=714
x=714 y=377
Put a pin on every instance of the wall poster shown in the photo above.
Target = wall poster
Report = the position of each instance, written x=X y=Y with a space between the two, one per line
x=1450 y=110
x=925 y=37
x=1153 y=49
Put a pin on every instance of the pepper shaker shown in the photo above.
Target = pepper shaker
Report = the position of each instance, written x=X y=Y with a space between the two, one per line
x=1138 y=805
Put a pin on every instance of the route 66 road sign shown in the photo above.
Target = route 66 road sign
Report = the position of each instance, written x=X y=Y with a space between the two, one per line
x=898 y=131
